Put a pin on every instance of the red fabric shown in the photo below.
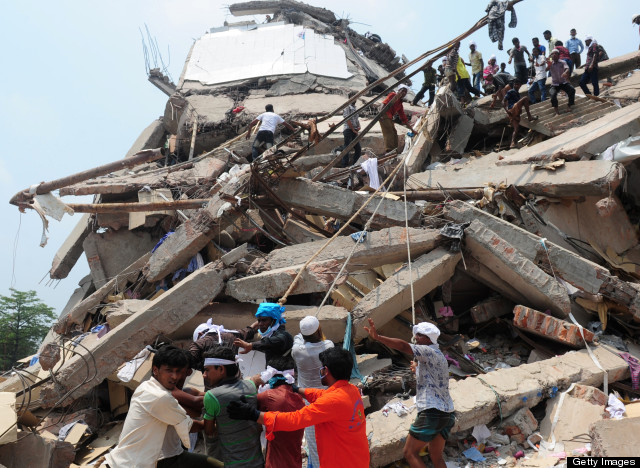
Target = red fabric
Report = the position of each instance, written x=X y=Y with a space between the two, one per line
x=396 y=108
x=563 y=53
x=285 y=449
x=338 y=414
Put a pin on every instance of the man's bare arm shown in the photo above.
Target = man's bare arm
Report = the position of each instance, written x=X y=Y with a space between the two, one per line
x=395 y=343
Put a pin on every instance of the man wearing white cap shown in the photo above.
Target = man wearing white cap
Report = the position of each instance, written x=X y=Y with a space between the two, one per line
x=591 y=67
x=477 y=65
x=435 y=407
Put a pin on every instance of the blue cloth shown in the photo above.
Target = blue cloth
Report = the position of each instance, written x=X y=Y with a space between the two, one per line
x=270 y=309
x=161 y=241
x=575 y=46
x=275 y=379
x=356 y=236
x=512 y=97
x=348 y=344
x=473 y=454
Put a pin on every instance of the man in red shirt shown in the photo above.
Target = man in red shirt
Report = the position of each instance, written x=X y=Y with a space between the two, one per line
x=389 y=133
x=284 y=450
x=337 y=413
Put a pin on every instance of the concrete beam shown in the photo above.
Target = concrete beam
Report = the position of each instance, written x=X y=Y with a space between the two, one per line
x=329 y=200
x=69 y=252
x=541 y=290
x=461 y=133
x=270 y=7
x=379 y=248
x=544 y=325
x=160 y=317
x=89 y=305
x=317 y=277
x=572 y=268
x=571 y=180
x=615 y=437
x=394 y=295
x=475 y=401
x=238 y=315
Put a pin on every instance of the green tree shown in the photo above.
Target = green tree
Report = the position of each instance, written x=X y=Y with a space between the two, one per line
x=24 y=322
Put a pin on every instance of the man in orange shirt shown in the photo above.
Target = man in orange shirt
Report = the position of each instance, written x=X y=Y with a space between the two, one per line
x=389 y=133
x=337 y=413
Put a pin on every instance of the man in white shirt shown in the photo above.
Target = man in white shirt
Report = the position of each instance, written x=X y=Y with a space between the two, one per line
x=264 y=139
x=540 y=78
x=156 y=426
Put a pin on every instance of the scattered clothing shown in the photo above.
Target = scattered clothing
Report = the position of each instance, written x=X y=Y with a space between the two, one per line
x=634 y=368
x=370 y=166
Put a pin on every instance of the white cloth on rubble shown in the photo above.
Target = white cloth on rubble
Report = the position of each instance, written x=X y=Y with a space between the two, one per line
x=397 y=407
x=152 y=409
x=129 y=369
x=370 y=166
x=615 y=407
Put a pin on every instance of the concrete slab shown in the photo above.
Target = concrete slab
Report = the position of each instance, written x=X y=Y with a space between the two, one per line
x=160 y=316
x=461 y=133
x=379 y=248
x=70 y=251
x=544 y=325
x=394 y=295
x=572 y=179
x=615 y=437
x=151 y=137
x=239 y=315
x=476 y=403
x=329 y=200
x=542 y=291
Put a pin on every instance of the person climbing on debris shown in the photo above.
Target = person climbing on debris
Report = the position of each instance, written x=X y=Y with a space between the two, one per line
x=428 y=85
x=513 y=104
x=550 y=39
x=208 y=336
x=488 y=73
x=264 y=139
x=435 y=407
x=516 y=54
x=536 y=45
x=337 y=413
x=350 y=133
x=464 y=83
x=307 y=346
x=565 y=55
x=451 y=65
x=476 y=63
x=283 y=451
x=591 y=67
x=156 y=426
x=239 y=440
x=275 y=340
x=560 y=81
x=387 y=126
x=539 y=80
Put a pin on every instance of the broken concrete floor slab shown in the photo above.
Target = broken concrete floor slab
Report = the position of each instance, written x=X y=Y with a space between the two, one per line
x=394 y=295
x=549 y=327
x=543 y=291
x=615 y=437
x=161 y=316
x=476 y=403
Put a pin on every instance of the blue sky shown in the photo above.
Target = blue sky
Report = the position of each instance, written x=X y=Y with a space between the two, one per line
x=74 y=91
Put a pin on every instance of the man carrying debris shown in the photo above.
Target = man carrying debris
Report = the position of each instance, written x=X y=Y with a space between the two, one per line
x=239 y=440
x=513 y=104
x=591 y=67
x=435 y=407
x=275 y=340
x=337 y=413
x=387 y=126
x=264 y=139
x=156 y=426
x=350 y=133
x=560 y=81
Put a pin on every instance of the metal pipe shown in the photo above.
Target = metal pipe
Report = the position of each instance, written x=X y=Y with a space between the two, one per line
x=104 y=208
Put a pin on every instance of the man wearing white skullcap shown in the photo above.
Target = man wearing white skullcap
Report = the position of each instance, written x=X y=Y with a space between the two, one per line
x=591 y=67
x=435 y=407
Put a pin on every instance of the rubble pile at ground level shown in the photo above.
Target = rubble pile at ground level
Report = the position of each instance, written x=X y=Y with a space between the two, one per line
x=527 y=259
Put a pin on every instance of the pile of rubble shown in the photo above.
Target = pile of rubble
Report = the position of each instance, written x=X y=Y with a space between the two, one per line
x=527 y=259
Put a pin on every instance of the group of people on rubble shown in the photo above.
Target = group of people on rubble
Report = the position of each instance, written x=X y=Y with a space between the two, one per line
x=304 y=392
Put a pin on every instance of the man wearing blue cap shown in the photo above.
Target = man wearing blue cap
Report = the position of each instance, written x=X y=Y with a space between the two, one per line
x=275 y=340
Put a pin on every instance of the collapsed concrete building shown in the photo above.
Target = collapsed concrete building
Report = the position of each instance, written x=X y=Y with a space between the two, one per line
x=527 y=259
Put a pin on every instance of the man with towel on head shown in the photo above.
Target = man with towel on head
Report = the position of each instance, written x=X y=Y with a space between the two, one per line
x=275 y=340
x=435 y=407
